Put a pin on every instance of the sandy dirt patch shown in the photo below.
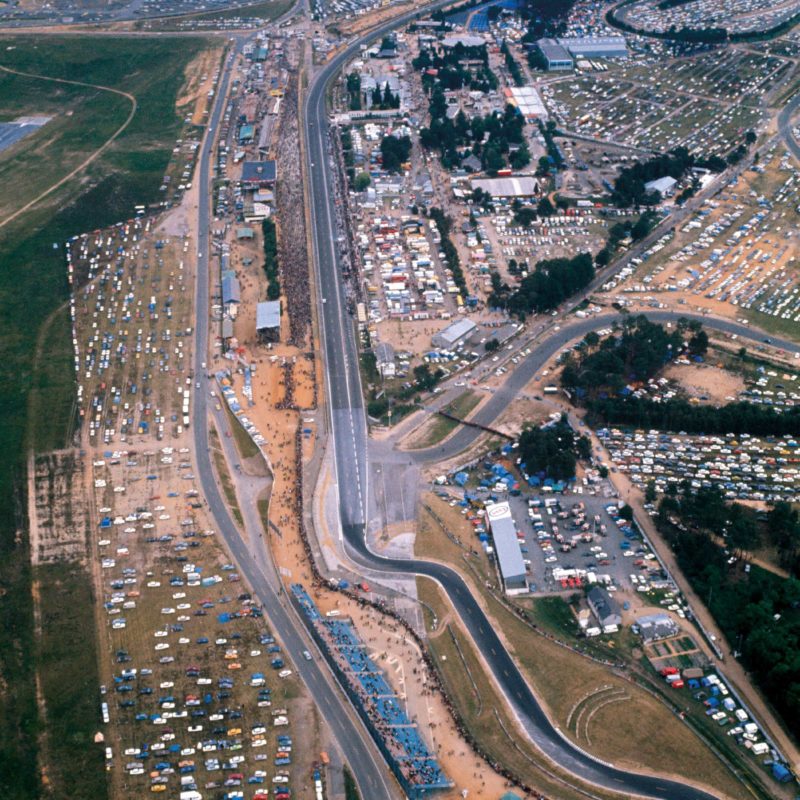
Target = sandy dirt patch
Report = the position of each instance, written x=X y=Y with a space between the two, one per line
x=199 y=81
x=706 y=382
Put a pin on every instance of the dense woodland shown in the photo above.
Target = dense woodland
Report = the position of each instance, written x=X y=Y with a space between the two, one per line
x=756 y=609
x=636 y=352
x=551 y=282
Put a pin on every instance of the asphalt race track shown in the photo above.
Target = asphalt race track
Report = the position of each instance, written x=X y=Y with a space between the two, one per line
x=349 y=435
x=370 y=771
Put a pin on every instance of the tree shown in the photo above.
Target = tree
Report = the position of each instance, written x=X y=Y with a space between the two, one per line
x=438 y=104
x=549 y=451
x=395 y=150
x=698 y=344
x=543 y=166
x=521 y=157
x=552 y=281
x=583 y=448
x=362 y=181
x=354 y=90
x=650 y=492
x=545 y=208
x=743 y=533
x=493 y=159
x=425 y=379
x=626 y=512
x=643 y=226
x=492 y=344
x=525 y=216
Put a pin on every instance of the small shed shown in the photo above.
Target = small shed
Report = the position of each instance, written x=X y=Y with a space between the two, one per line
x=268 y=321
x=384 y=359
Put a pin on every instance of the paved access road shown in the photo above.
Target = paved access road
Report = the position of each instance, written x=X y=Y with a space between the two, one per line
x=366 y=764
x=349 y=439
x=543 y=351
x=785 y=125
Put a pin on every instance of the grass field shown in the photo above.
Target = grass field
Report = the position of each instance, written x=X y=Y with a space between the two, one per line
x=780 y=327
x=224 y=476
x=480 y=705
x=69 y=681
x=36 y=392
x=647 y=734
x=438 y=428
x=244 y=444
x=267 y=11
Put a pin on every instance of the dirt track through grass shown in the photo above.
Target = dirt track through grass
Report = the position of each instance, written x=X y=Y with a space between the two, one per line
x=85 y=163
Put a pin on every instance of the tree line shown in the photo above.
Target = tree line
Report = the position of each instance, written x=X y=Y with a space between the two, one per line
x=271 y=259
x=444 y=225
x=680 y=415
x=511 y=65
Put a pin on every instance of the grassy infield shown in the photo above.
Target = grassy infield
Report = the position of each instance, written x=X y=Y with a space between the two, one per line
x=438 y=428
x=36 y=374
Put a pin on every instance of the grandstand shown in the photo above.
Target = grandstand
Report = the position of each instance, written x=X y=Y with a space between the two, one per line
x=378 y=705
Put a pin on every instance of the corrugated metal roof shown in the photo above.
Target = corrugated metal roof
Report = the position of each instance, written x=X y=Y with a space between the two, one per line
x=456 y=331
x=268 y=315
x=553 y=51
x=506 y=546
x=507 y=187
x=230 y=290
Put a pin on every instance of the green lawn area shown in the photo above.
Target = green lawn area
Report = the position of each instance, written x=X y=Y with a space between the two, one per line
x=69 y=682
x=36 y=393
x=787 y=328
x=437 y=428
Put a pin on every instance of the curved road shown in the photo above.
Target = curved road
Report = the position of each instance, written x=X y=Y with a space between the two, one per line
x=349 y=438
x=367 y=765
x=556 y=341
x=785 y=125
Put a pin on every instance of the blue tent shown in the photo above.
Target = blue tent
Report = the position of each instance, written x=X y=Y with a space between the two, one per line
x=781 y=773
